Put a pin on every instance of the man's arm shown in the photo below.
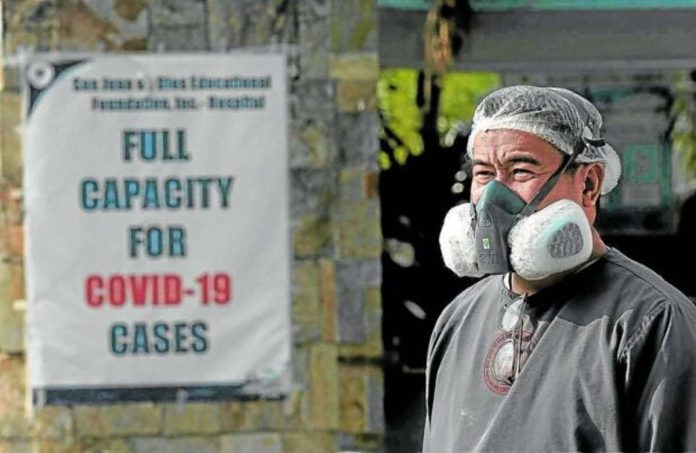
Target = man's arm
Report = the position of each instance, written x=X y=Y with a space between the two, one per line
x=436 y=347
x=659 y=364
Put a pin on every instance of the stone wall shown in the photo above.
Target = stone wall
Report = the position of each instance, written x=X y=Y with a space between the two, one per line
x=335 y=219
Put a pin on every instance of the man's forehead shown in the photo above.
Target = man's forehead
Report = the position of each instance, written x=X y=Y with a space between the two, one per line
x=501 y=144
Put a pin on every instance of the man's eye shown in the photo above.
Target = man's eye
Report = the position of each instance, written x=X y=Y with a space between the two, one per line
x=483 y=174
x=521 y=172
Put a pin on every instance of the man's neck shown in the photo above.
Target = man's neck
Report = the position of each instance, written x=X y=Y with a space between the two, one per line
x=529 y=287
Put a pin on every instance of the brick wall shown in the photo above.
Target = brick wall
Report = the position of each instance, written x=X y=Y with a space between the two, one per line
x=335 y=219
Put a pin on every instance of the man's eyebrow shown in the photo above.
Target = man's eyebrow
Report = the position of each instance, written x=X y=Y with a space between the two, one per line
x=523 y=160
x=512 y=160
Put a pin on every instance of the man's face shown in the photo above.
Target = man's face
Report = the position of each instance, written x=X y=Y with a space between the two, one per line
x=523 y=162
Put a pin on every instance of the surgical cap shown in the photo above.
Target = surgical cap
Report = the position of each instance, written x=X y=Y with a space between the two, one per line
x=555 y=115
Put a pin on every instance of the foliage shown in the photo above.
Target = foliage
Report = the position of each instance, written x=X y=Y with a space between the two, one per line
x=402 y=118
x=683 y=133
x=461 y=91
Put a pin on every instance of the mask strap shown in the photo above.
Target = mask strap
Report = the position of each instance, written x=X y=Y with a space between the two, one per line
x=551 y=182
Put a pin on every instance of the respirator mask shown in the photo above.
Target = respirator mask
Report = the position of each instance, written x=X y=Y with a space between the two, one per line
x=502 y=233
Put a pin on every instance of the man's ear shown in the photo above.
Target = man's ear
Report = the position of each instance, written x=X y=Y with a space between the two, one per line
x=593 y=180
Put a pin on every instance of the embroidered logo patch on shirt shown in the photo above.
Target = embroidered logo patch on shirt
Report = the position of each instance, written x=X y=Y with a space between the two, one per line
x=499 y=368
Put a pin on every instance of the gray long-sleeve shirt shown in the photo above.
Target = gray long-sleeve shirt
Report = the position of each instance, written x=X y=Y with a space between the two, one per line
x=608 y=363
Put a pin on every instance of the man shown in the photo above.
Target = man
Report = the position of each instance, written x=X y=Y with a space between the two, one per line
x=567 y=345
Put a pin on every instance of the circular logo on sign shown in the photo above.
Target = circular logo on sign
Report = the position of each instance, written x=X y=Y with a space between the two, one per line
x=40 y=74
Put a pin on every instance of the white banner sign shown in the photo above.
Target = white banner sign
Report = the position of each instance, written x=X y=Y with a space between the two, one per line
x=157 y=236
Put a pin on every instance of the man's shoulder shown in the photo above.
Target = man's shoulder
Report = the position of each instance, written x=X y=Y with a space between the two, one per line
x=626 y=292
x=472 y=295
x=465 y=302
x=659 y=318
x=631 y=278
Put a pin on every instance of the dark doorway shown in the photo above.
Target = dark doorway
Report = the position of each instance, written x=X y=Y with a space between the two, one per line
x=415 y=196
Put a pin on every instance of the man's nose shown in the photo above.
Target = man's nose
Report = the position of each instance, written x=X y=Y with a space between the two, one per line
x=502 y=177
